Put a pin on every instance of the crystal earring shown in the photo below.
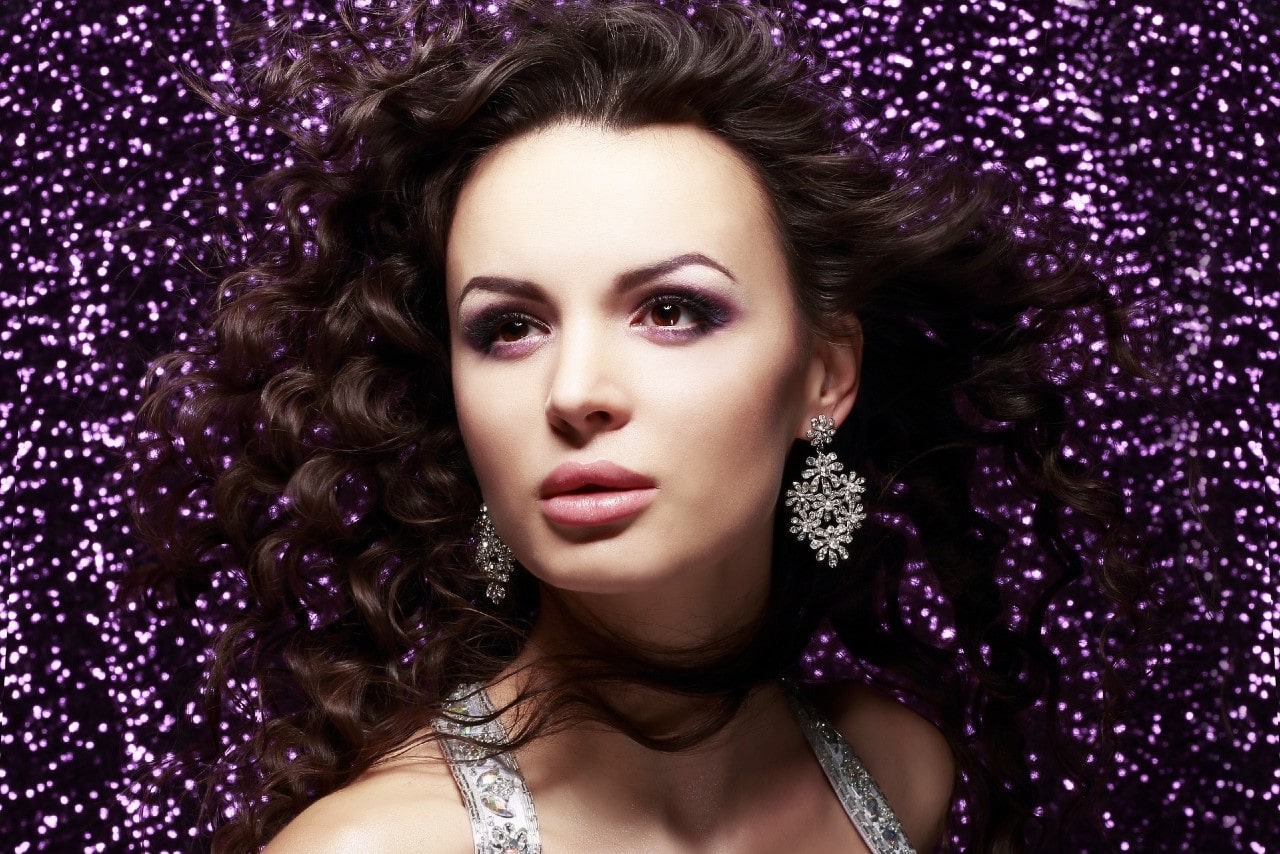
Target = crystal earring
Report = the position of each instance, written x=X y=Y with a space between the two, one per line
x=825 y=510
x=492 y=556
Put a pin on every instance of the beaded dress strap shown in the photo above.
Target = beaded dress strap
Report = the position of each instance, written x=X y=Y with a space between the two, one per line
x=497 y=799
x=861 y=798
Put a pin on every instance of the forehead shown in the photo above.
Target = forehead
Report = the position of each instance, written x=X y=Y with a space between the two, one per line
x=584 y=200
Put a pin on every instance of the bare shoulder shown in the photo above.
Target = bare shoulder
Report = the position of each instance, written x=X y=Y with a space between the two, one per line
x=908 y=757
x=406 y=804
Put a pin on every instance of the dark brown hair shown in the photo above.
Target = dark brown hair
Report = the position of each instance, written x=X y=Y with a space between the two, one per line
x=302 y=464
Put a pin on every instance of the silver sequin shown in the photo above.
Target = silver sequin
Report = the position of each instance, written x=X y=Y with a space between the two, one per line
x=497 y=799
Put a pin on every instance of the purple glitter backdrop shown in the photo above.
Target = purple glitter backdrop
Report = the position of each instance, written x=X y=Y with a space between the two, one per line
x=1157 y=123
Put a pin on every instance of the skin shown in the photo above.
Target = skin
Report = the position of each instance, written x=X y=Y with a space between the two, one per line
x=706 y=408
x=568 y=347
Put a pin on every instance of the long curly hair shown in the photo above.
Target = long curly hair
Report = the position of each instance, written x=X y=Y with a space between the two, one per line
x=303 y=460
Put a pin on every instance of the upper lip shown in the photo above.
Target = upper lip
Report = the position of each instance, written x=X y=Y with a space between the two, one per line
x=568 y=477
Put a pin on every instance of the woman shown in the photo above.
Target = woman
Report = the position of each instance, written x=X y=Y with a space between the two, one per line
x=514 y=433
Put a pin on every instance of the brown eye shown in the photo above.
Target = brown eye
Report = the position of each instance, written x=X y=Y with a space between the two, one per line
x=512 y=330
x=666 y=314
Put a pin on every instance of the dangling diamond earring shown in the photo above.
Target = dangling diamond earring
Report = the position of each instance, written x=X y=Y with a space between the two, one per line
x=825 y=506
x=492 y=556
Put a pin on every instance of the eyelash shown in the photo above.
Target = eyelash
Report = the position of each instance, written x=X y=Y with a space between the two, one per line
x=710 y=313
x=481 y=330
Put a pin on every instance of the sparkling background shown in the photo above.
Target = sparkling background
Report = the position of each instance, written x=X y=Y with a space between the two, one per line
x=1156 y=123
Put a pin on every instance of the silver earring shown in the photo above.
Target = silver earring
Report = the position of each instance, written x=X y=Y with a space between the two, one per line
x=825 y=510
x=492 y=556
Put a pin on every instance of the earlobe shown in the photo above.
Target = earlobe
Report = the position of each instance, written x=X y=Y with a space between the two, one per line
x=834 y=374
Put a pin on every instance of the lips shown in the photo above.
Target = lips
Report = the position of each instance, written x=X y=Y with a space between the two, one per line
x=599 y=493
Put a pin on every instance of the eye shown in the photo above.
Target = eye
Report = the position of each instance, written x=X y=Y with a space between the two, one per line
x=512 y=330
x=682 y=314
x=500 y=329
x=669 y=313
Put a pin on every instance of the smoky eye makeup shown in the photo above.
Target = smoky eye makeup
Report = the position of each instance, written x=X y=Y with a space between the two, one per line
x=669 y=312
x=681 y=310
x=497 y=325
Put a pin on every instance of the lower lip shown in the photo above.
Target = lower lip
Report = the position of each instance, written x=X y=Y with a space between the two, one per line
x=596 y=508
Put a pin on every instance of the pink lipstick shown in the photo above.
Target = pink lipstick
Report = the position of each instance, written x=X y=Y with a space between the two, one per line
x=599 y=493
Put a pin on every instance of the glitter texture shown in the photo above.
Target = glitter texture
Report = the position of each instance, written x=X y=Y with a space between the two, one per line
x=1157 y=123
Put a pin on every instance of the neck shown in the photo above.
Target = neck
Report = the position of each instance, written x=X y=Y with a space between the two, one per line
x=559 y=652
x=678 y=627
x=600 y=773
x=680 y=611
x=599 y=768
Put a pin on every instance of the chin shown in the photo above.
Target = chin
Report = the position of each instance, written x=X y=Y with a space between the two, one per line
x=604 y=581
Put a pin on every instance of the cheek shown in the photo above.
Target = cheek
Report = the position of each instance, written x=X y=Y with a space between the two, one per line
x=490 y=429
x=738 y=411
x=759 y=386
x=732 y=457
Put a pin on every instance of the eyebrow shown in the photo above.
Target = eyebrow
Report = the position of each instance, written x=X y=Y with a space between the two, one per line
x=625 y=282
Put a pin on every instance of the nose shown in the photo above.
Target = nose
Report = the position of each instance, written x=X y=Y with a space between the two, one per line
x=588 y=390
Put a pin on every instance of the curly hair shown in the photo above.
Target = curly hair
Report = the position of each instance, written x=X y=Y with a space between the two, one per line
x=304 y=458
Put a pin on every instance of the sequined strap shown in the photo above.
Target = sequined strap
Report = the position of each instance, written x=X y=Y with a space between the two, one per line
x=497 y=799
x=858 y=793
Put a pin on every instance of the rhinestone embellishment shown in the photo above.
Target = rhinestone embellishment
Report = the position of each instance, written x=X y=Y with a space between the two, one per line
x=492 y=556
x=858 y=793
x=497 y=800
x=825 y=506
x=495 y=792
x=508 y=839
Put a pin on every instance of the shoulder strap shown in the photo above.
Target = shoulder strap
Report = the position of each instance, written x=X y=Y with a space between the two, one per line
x=861 y=798
x=497 y=799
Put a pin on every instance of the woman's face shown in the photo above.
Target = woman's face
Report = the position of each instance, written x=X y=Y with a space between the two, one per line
x=628 y=364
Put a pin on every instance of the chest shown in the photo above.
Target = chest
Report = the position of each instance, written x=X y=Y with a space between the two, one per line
x=829 y=804
x=795 y=817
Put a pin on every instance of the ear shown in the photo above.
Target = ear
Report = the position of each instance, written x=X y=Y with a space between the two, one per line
x=835 y=369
